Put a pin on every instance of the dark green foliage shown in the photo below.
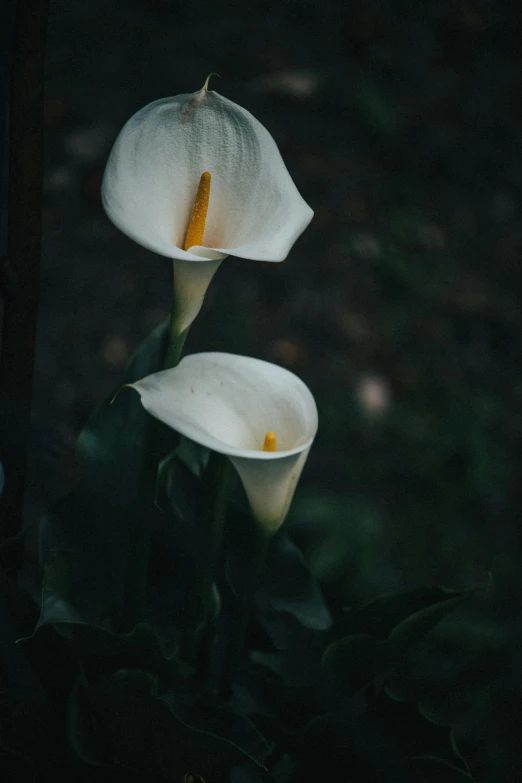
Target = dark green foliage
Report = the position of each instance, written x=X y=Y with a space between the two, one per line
x=122 y=721
x=111 y=446
x=317 y=693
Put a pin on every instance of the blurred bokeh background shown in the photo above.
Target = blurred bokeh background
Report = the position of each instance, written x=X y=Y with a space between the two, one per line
x=399 y=306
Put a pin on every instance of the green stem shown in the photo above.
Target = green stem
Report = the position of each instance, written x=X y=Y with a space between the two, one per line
x=176 y=338
x=239 y=625
x=134 y=603
x=175 y=346
x=198 y=625
x=219 y=470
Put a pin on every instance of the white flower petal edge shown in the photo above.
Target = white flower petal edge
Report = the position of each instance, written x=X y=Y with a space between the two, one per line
x=153 y=172
x=228 y=403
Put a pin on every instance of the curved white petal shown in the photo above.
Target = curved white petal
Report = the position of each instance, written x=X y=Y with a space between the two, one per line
x=228 y=403
x=153 y=172
x=270 y=486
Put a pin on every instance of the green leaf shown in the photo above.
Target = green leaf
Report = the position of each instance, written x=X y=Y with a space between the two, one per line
x=358 y=658
x=348 y=664
x=351 y=749
x=221 y=720
x=36 y=677
x=112 y=447
x=286 y=588
x=380 y=615
x=102 y=651
x=369 y=739
x=408 y=634
x=289 y=605
x=427 y=748
x=108 y=520
x=83 y=546
x=142 y=648
x=277 y=707
x=178 y=491
x=85 y=540
x=193 y=456
x=143 y=735
x=465 y=675
x=83 y=731
x=431 y=769
x=149 y=355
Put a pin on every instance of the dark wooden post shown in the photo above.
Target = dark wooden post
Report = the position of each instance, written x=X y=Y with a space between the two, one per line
x=24 y=32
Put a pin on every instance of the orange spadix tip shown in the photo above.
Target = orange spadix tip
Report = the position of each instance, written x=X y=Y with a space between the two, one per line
x=198 y=216
x=270 y=443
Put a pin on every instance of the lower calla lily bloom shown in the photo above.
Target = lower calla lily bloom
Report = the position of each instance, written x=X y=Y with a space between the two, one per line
x=195 y=178
x=260 y=415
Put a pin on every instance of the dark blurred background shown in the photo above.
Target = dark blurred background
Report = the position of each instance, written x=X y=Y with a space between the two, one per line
x=399 y=306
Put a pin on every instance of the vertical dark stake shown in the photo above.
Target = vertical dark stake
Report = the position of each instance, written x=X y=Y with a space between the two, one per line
x=25 y=139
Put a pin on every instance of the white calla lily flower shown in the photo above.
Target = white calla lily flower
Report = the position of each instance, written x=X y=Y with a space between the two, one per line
x=201 y=158
x=259 y=414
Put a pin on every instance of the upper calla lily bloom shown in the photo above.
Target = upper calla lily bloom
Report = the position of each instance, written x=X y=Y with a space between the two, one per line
x=260 y=415
x=195 y=178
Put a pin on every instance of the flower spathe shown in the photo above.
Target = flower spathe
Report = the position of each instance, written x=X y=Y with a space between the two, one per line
x=152 y=177
x=153 y=172
x=228 y=403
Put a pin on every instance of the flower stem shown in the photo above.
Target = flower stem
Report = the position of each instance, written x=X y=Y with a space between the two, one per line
x=134 y=604
x=202 y=607
x=175 y=346
x=239 y=621
x=134 y=599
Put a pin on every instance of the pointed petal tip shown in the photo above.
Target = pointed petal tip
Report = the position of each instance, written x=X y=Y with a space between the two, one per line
x=207 y=80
